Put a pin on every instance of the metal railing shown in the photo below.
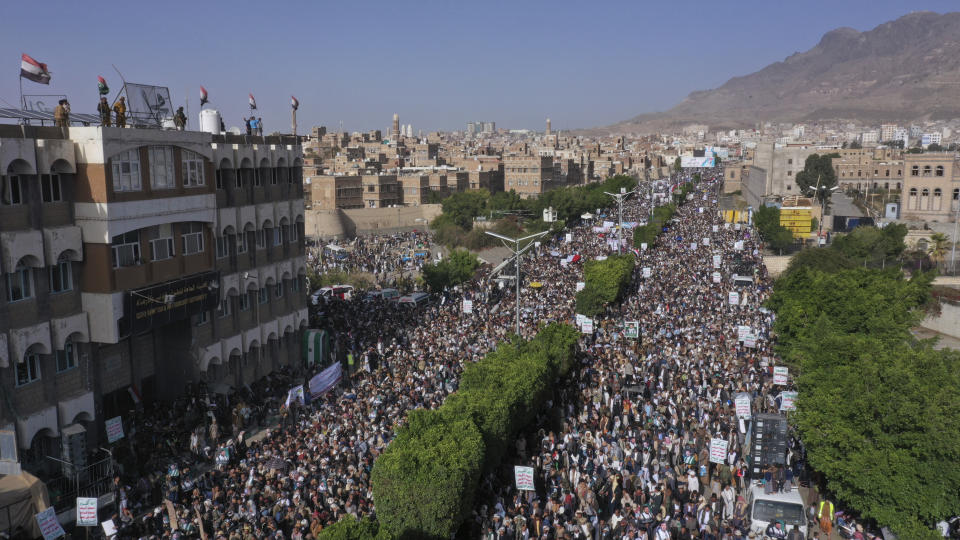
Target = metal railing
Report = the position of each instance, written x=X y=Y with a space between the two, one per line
x=91 y=481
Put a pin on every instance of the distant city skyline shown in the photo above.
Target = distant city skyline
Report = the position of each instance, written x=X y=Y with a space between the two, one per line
x=437 y=65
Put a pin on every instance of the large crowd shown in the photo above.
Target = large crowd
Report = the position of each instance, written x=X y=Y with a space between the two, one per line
x=622 y=455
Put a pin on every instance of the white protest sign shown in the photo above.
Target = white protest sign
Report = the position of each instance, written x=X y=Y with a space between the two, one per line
x=632 y=329
x=646 y=271
x=736 y=226
x=726 y=226
x=699 y=209
x=581 y=285
x=716 y=261
x=87 y=512
x=734 y=298
x=788 y=401
x=568 y=238
x=716 y=277
x=742 y=331
x=693 y=246
x=587 y=327
x=109 y=528
x=49 y=526
x=780 y=374
x=738 y=245
x=716 y=228
x=706 y=241
x=718 y=451
x=580 y=319
x=643 y=246
x=523 y=476
x=750 y=340
x=114 y=429
x=742 y=402
x=468 y=306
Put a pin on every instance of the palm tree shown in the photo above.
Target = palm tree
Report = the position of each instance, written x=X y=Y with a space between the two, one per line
x=938 y=246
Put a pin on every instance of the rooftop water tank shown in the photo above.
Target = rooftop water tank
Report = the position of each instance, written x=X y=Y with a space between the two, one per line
x=210 y=121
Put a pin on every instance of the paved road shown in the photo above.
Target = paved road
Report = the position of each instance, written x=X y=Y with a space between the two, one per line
x=842 y=205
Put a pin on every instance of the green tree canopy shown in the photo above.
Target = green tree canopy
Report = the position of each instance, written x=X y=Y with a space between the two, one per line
x=817 y=171
x=456 y=268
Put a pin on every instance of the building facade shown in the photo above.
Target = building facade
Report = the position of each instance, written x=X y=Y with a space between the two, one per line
x=136 y=263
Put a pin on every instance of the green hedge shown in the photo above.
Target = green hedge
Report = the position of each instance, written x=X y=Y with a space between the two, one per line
x=605 y=282
x=647 y=234
x=425 y=481
x=350 y=528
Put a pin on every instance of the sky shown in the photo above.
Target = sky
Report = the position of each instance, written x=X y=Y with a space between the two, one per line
x=436 y=63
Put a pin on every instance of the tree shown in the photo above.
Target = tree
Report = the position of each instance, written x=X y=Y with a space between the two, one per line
x=780 y=239
x=855 y=145
x=823 y=259
x=935 y=148
x=461 y=208
x=676 y=164
x=817 y=174
x=458 y=267
x=938 y=246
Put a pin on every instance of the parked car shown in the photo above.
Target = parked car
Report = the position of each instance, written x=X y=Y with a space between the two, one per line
x=343 y=292
x=386 y=294
x=414 y=300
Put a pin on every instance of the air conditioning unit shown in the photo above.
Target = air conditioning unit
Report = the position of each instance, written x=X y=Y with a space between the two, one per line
x=73 y=445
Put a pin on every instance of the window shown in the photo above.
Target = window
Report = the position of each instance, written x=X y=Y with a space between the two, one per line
x=61 y=278
x=279 y=234
x=126 y=171
x=50 y=187
x=192 y=169
x=915 y=170
x=201 y=318
x=279 y=289
x=925 y=192
x=244 y=302
x=956 y=194
x=262 y=238
x=295 y=284
x=240 y=174
x=242 y=242
x=887 y=172
x=161 y=167
x=273 y=178
x=789 y=173
x=263 y=295
x=161 y=248
x=12 y=190
x=223 y=247
x=257 y=174
x=790 y=161
x=913 y=192
x=939 y=170
x=192 y=238
x=28 y=370
x=927 y=170
x=126 y=249
x=224 y=309
x=66 y=357
x=219 y=176
x=937 y=192
x=294 y=233
x=19 y=284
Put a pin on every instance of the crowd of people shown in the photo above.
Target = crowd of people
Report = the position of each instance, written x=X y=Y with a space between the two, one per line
x=386 y=256
x=622 y=456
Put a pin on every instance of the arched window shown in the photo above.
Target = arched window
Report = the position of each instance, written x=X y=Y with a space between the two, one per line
x=66 y=357
x=913 y=192
x=925 y=192
x=937 y=198
x=20 y=283
x=915 y=170
x=927 y=170
x=937 y=192
x=939 y=170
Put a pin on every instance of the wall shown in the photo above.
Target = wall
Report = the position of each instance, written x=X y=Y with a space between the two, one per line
x=947 y=323
x=348 y=223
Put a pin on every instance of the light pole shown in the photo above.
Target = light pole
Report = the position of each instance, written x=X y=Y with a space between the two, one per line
x=620 y=197
x=956 y=229
x=517 y=252
x=823 y=205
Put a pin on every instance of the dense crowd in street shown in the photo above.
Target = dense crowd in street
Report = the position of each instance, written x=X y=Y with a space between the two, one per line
x=384 y=255
x=625 y=458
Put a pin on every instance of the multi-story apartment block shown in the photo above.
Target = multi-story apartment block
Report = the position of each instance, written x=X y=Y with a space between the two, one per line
x=137 y=262
x=528 y=175
x=931 y=187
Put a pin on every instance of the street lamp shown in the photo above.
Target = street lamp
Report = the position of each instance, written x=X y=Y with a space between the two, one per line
x=620 y=197
x=823 y=204
x=517 y=252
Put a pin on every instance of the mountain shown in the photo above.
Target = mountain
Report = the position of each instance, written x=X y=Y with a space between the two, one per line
x=903 y=70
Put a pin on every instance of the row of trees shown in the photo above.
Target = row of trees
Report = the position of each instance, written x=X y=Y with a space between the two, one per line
x=766 y=219
x=513 y=215
x=605 y=282
x=877 y=409
x=425 y=481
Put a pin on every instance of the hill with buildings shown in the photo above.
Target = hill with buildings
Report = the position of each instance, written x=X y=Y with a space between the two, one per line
x=903 y=70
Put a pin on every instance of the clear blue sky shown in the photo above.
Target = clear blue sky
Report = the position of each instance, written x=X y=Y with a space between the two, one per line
x=437 y=63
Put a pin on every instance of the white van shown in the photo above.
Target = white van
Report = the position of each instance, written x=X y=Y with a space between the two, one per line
x=414 y=300
x=785 y=507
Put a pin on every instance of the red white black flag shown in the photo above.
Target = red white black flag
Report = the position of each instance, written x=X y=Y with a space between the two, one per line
x=33 y=70
x=203 y=96
x=253 y=103
x=294 y=103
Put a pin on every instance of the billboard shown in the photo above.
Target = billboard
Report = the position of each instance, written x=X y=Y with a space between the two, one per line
x=690 y=161
x=721 y=152
x=147 y=104
x=171 y=301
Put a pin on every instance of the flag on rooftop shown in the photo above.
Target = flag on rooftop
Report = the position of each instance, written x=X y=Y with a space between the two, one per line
x=203 y=96
x=294 y=102
x=253 y=103
x=102 y=86
x=33 y=70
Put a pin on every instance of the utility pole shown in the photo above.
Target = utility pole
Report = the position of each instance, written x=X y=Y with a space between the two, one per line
x=620 y=197
x=517 y=252
x=956 y=229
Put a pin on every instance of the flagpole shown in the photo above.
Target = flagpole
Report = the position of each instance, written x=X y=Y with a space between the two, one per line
x=294 y=113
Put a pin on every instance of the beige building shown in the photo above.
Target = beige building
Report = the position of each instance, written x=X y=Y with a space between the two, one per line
x=931 y=187
x=529 y=176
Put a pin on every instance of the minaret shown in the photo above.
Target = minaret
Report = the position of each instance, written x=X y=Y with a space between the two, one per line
x=395 y=132
x=548 y=126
